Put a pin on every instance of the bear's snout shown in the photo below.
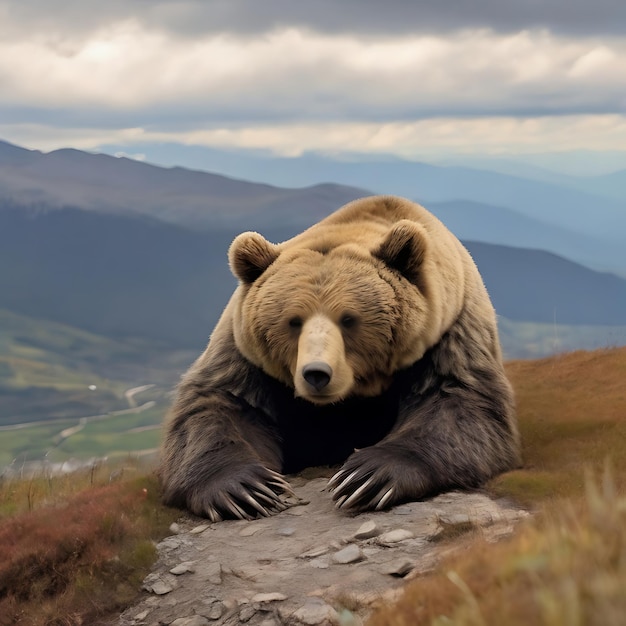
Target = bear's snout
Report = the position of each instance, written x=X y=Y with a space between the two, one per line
x=322 y=374
x=317 y=374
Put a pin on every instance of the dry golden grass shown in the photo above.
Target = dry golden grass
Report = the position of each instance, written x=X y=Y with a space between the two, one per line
x=566 y=567
x=75 y=549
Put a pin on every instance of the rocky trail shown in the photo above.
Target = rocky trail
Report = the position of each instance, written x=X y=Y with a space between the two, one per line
x=310 y=564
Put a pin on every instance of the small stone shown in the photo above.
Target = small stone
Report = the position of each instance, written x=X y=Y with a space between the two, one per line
x=399 y=568
x=321 y=563
x=350 y=554
x=367 y=530
x=160 y=588
x=174 y=528
x=246 y=613
x=196 y=620
x=141 y=616
x=286 y=531
x=316 y=611
x=214 y=609
x=183 y=568
x=251 y=529
x=199 y=529
x=157 y=585
x=314 y=552
x=265 y=598
x=395 y=536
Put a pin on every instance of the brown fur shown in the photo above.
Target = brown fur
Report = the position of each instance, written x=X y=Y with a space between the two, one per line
x=370 y=330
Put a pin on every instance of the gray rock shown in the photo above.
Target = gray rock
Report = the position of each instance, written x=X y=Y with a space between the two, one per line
x=266 y=598
x=174 y=528
x=316 y=611
x=212 y=609
x=314 y=552
x=159 y=585
x=242 y=568
x=246 y=613
x=395 y=536
x=183 y=568
x=399 y=567
x=350 y=554
x=367 y=530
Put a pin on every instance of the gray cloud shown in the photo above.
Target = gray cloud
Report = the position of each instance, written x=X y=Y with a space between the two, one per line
x=581 y=17
x=278 y=74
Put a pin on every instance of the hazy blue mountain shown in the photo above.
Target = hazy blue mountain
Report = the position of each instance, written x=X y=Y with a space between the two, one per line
x=113 y=275
x=125 y=249
x=480 y=222
x=585 y=229
x=538 y=286
x=122 y=276
x=567 y=202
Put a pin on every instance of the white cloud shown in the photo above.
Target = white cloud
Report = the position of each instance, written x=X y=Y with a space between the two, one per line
x=427 y=138
x=292 y=89
x=126 y=66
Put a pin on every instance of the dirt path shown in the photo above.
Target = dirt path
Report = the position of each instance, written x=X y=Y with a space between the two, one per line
x=311 y=564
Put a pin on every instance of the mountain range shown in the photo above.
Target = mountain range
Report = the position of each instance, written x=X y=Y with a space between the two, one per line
x=127 y=249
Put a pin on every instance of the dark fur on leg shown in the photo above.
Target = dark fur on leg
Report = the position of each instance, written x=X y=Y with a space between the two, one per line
x=221 y=459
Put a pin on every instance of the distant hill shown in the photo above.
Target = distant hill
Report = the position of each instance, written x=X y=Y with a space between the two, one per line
x=581 y=219
x=129 y=250
x=538 y=286
x=488 y=224
x=121 y=186
x=136 y=277
x=587 y=206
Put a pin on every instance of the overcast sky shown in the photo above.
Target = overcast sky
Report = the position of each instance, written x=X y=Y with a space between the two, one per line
x=411 y=78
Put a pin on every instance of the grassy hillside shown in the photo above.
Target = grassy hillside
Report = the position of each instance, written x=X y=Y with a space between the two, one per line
x=66 y=393
x=564 y=567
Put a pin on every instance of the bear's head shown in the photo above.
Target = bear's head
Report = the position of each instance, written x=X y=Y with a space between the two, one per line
x=334 y=319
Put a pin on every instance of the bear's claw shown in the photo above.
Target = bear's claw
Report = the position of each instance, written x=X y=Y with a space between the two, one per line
x=388 y=497
x=362 y=489
x=255 y=492
x=353 y=499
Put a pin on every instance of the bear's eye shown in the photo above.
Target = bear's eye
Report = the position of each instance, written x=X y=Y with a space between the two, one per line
x=295 y=322
x=347 y=321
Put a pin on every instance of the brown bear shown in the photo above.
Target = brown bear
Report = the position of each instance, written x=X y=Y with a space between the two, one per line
x=368 y=340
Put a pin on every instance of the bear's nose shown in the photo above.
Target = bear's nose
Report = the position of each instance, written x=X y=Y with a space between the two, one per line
x=317 y=374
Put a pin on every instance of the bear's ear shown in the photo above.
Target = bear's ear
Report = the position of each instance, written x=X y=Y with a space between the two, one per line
x=403 y=249
x=250 y=255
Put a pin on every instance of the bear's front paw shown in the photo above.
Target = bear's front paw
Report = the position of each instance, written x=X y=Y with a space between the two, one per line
x=374 y=479
x=242 y=493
